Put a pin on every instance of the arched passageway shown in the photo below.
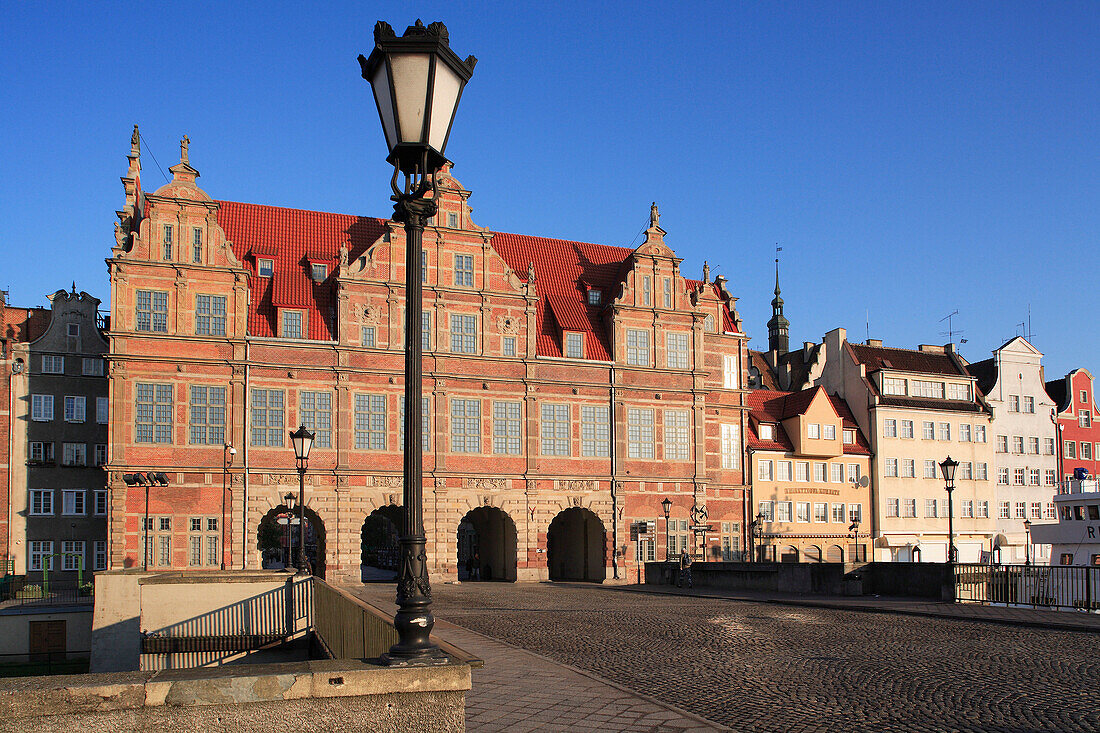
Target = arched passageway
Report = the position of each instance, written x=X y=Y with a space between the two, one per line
x=277 y=539
x=487 y=545
x=790 y=554
x=380 y=551
x=576 y=546
x=836 y=554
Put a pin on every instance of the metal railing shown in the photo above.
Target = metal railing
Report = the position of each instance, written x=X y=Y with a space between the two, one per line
x=1062 y=587
x=26 y=664
x=23 y=590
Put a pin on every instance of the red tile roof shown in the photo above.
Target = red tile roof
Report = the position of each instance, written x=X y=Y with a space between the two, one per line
x=767 y=376
x=881 y=357
x=294 y=238
x=774 y=407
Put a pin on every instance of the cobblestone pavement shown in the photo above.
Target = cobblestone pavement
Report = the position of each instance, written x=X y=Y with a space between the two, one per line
x=765 y=667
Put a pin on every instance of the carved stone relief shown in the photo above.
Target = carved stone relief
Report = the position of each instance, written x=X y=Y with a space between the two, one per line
x=486 y=483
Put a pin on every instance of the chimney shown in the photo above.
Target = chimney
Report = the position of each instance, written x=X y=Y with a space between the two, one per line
x=874 y=342
x=930 y=349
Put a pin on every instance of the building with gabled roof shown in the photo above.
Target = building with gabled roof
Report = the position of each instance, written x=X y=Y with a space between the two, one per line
x=1024 y=445
x=917 y=407
x=809 y=466
x=569 y=388
x=1075 y=407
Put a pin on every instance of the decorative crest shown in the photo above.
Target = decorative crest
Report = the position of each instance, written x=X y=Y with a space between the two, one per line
x=185 y=145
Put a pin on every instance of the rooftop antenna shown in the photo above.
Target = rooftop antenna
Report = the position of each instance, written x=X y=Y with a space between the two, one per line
x=867 y=326
x=950 y=332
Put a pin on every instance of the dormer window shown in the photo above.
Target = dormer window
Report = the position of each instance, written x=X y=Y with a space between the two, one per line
x=594 y=296
x=574 y=345
x=849 y=437
x=829 y=431
x=767 y=431
x=318 y=272
x=292 y=324
x=265 y=268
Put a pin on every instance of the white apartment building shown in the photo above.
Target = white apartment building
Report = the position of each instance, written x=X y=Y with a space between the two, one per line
x=917 y=408
x=1025 y=452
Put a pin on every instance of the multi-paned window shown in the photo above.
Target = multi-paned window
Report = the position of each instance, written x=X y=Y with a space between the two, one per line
x=668 y=292
x=908 y=468
x=292 y=324
x=574 y=345
x=315 y=412
x=75 y=409
x=730 y=446
x=820 y=472
x=554 y=430
x=100 y=552
x=91 y=366
x=53 y=364
x=40 y=452
x=464 y=271
x=647 y=290
x=203 y=542
x=639 y=432
x=783 y=511
x=637 y=347
x=839 y=514
x=463 y=334
x=1048 y=446
x=196 y=244
x=1069 y=449
x=964 y=432
x=930 y=508
x=855 y=512
x=930 y=469
x=966 y=470
x=1017 y=444
x=1002 y=476
x=910 y=508
x=676 y=350
x=959 y=392
x=1033 y=477
x=928 y=430
x=465 y=426
x=828 y=431
x=101 y=410
x=907 y=428
x=72 y=502
x=366 y=337
x=40 y=555
x=167 y=241
x=42 y=407
x=370 y=422
x=891 y=467
x=595 y=431
x=731 y=372
x=924 y=388
x=507 y=433
x=210 y=315
x=766 y=510
x=508 y=346
x=425 y=422
x=764 y=470
x=265 y=267
x=151 y=312
x=268 y=425
x=821 y=511
x=784 y=470
x=153 y=413
x=979 y=433
x=41 y=501
x=802 y=511
x=1051 y=477
x=1018 y=476
x=207 y=420
x=836 y=473
x=981 y=471
x=802 y=471
x=893 y=385
x=676 y=435
x=889 y=428
x=101 y=454
x=100 y=503
x=945 y=431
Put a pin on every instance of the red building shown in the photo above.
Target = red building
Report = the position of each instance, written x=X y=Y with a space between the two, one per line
x=569 y=388
x=1076 y=417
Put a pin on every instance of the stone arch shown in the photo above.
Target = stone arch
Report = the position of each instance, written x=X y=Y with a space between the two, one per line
x=487 y=544
x=835 y=554
x=270 y=536
x=576 y=546
x=813 y=553
x=379 y=549
x=789 y=554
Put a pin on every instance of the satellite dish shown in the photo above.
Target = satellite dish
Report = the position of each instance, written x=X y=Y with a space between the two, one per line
x=863 y=482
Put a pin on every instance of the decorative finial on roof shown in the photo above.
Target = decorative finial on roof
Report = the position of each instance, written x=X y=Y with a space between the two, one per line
x=654 y=215
x=778 y=249
x=74 y=287
x=185 y=144
x=530 y=272
x=706 y=272
x=135 y=142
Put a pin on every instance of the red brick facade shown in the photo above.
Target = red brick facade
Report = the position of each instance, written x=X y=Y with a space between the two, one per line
x=624 y=378
x=1075 y=404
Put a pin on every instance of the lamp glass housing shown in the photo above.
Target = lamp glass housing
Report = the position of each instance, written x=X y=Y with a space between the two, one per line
x=302 y=440
x=948 y=467
x=667 y=506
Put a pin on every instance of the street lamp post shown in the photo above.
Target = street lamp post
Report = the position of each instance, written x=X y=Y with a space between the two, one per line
x=948 y=468
x=1027 y=542
x=853 y=529
x=302 y=440
x=417 y=82
x=667 y=506
x=228 y=453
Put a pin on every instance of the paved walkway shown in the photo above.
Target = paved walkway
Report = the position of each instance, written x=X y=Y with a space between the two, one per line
x=1027 y=617
x=518 y=690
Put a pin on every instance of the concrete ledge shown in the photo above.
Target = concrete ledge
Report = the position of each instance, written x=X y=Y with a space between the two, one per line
x=75 y=695
x=181 y=577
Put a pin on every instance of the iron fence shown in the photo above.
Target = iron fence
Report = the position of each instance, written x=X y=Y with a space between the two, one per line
x=22 y=590
x=26 y=664
x=1062 y=587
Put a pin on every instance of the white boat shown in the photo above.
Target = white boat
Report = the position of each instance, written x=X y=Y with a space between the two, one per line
x=1073 y=577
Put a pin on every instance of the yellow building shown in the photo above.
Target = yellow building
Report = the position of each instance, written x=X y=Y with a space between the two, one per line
x=809 y=467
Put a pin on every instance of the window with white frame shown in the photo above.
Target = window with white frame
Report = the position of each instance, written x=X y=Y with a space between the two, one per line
x=821 y=472
x=210 y=315
x=981 y=471
x=292 y=324
x=1036 y=510
x=767 y=511
x=849 y=437
x=40 y=555
x=463 y=334
x=709 y=323
x=930 y=469
x=100 y=555
x=964 y=432
x=1084 y=418
x=966 y=470
x=783 y=470
x=967 y=508
x=507 y=428
x=668 y=292
x=1049 y=511
x=425 y=423
x=1018 y=477
x=828 y=431
x=1005 y=510
x=889 y=428
x=979 y=433
x=1018 y=444
x=766 y=431
x=959 y=392
x=1033 y=477
x=893 y=385
x=72 y=502
x=731 y=446
x=1069 y=449
x=821 y=511
x=41 y=502
x=813 y=430
x=1029 y=404
x=909 y=508
x=855 y=512
x=53 y=364
x=268 y=411
x=42 y=407
x=367 y=337
x=74 y=454
x=75 y=409
x=853 y=472
x=764 y=470
x=676 y=350
x=196 y=244
x=207 y=419
x=315 y=412
x=508 y=346
x=101 y=410
x=370 y=422
x=1021 y=510
x=151 y=311
x=265 y=267
x=464 y=271
x=801 y=471
x=930 y=508
x=465 y=426
x=574 y=345
x=1002 y=476
x=554 y=429
x=639 y=433
x=1033 y=446
x=167 y=241
x=983 y=509
x=40 y=452
x=99 y=506
x=1086 y=450
x=945 y=431
x=891 y=467
x=731 y=372
x=1051 y=477
x=1014 y=403
x=637 y=347
x=101 y=454
x=907 y=428
x=1002 y=444
x=318 y=271
x=928 y=430
x=802 y=511
x=783 y=511
x=647 y=290
x=836 y=473
x=676 y=435
x=839 y=513
x=595 y=431
x=908 y=468
x=924 y=388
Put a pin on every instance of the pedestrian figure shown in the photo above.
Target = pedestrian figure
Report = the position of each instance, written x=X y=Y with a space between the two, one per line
x=477 y=567
x=685 y=569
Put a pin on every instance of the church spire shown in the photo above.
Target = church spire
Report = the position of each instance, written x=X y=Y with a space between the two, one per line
x=778 y=326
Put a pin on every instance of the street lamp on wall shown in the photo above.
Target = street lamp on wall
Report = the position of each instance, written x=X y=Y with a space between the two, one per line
x=417 y=82
x=302 y=440
x=948 y=467
x=667 y=506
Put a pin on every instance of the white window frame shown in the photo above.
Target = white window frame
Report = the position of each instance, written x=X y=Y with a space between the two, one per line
x=637 y=347
x=677 y=446
x=42 y=407
x=730 y=446
x=639 y=433
x=677 y=350
x=74 y=502
x=555 y=429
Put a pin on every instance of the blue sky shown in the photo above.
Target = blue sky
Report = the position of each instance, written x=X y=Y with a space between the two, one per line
x=912 y=159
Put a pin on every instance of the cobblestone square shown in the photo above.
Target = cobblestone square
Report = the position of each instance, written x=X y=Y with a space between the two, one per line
x=768 y=667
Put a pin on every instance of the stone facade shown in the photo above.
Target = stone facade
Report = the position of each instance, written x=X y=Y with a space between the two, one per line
x=558 y=375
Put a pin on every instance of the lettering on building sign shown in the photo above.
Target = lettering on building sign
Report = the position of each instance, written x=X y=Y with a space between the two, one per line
x=830 y=492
